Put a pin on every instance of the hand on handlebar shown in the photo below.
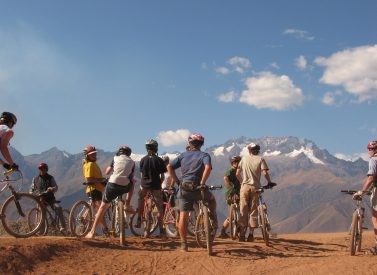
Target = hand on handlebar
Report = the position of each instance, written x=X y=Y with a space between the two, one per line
x=357 y=195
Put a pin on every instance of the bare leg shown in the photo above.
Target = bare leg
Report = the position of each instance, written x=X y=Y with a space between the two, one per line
x=374 y=222
x=182 y=225
x=99 y=218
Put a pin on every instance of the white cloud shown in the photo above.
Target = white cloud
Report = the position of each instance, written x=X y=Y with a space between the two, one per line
x=329 y=98
x=274 y=65
x=228 y=97
x=222 y=70
x=272 y=92
x=170 y=138
x=240 y=64
x=299 y=34
x=355 y=69
x=301 y=62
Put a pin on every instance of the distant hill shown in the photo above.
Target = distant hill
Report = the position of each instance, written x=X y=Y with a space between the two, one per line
x=307 y=198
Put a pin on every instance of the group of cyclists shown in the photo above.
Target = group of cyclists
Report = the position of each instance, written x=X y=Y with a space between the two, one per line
x=242 y=178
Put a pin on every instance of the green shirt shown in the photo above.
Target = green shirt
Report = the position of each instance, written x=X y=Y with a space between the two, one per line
x=230 y=173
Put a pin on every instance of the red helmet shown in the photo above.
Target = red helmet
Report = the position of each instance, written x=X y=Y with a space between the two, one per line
x=43 y=166
x=372 y=145
x=235 y=159
x=124 y=150
x=89 y=150
x=196 y=138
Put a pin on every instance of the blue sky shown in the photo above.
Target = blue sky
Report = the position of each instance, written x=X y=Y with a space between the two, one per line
x=110 y=73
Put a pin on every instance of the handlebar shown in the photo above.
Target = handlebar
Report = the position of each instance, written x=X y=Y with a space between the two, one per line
x=210 y=187
x=351 y=192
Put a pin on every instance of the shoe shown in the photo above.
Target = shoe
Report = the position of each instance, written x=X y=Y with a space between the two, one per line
x=63 y=231
x=184 y=247
x=241 y=238
x=223 y=234
x=129 y=209
x=138 y=222
x=250 y=238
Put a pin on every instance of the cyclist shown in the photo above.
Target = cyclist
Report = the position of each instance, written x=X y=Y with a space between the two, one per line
x=251 y=166
x=232 y=187
x=120 y=182
x=371 y=182
x=94 y=180
x=44 y=185
x=152 y=169
x=7 y=122
x=195 y=168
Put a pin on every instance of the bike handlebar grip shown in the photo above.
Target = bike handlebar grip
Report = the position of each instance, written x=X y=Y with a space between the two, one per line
x=8 y=172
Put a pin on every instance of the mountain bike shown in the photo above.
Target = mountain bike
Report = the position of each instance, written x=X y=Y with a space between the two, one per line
x=15 y=209
x=234 y=216
x=171 y=214
x=52 y=222
x=263 y=220
x=205 y=229
x=356 y=228
x=149 y=217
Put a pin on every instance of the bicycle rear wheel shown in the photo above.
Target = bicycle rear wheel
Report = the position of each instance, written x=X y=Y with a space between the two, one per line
x=233 y=222
x=354 y=233
x=264 y=225
x=122 y=230
x=80 y=219
x=33 y=218
x=14 y=215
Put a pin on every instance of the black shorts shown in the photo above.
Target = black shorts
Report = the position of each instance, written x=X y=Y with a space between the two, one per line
x=95 y=195
x=188 y=198
x=113 y=190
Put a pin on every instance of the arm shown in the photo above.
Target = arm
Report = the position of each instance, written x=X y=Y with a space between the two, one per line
x=227 y=182
x=238 y=175
x=206 y=173
x=109 y=170
x=368 y=183
x=4 y=146
x=173 y=176
x=266 y=175
x=54 y=187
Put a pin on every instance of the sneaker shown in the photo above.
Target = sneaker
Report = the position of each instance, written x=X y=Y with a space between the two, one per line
x=223 y=234
x=138 y=222
x=184 y=247
x=241 y=238
x=250 y=238
x=129 y=209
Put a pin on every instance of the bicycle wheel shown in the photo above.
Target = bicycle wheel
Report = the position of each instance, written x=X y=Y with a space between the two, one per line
x=209 y=236
x=360 y=234
x=148 y=217
x=14 y=215
x=199 y=231
x=33 y=218
x=80 y=219
x=170 y=222
x=122 y=230
x=354 y=233
x=264 y=226
x=233 y=222
x=191 y=222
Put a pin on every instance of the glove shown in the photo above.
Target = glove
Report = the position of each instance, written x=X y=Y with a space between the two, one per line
x=7 y=166
x=14 y=166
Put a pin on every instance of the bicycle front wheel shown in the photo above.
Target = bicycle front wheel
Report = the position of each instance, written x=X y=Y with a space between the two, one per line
x=354 y=233
x=80 y=219
x=122 y=230
x=200 y=235
x=264 y=226
x=233 y=222
x=15 y=213
x=208 y=230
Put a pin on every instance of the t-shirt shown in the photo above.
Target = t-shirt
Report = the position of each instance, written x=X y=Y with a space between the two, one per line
x=192 y=165
x=372 y=170
x=230 y=173
x=251 y=167
x=123 y=169
x=91 y=170
x=151 y=167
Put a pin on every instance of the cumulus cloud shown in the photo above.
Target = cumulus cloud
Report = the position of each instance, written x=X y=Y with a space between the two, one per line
x=228 y=97
x=299 y=34
x=222 y=70
x=240 y=64
x=271 y=91
x=355 y=69
x=301 y=62
x=171 y=138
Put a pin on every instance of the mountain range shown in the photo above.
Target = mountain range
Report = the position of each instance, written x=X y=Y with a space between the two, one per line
x=306 y=199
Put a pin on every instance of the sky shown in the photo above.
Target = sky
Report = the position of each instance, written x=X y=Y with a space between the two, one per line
x=112 y=73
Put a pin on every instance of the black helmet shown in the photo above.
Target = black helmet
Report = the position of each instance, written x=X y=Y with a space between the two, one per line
x=253 y=147
x=151 y=144
x=124 y=150
x=7 y=117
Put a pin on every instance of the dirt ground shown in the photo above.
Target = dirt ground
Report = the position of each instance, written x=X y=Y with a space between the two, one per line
x=288 y=254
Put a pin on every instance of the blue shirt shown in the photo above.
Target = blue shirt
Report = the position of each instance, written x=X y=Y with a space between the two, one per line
x=192 y=165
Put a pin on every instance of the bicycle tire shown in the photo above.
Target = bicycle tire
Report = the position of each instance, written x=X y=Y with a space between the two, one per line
x=66 y=220
x=80 y=219
x=354 y=233
x=264 y=226
x=200 y=230
x=360 y=234
x=191 y=223
x=170 y=222
x=34 y=215
x=14 y=215
x=233 y=222
x=122 y=230
x=208 y=230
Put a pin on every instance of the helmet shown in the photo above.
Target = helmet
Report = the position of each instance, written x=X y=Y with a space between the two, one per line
x=253 y=146
x=151 y=144
x=43 y=166
x=7 y=117
x=89 y=150
x=372 y=145
x=196 y=139
x=124 y=150
x=235 y=159
x=166 y=158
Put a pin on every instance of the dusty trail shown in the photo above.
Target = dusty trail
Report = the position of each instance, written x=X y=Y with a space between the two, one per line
x=288 y=254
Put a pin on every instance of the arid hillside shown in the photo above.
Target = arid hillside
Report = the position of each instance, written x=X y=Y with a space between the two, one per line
x=288 y=254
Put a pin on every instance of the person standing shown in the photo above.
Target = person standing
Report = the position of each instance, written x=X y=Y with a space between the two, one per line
x=371 y=182
x=249 y=173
